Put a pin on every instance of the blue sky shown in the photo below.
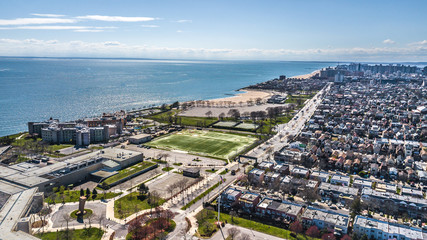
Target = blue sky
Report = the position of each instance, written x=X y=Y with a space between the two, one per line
x=232 y=29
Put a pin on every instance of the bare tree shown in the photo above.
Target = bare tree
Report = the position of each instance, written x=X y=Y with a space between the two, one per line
x=245 y=236
x=233 y=232
x=233 y=214
x=171 y=188
x=90 y=218
x=208 y=114
x=221 y=116
x=67 y=218
x=100 y=219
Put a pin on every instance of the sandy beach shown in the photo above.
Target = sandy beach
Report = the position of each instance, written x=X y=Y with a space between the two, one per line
x=244 y=96
x=251 y=95
x=305 y=76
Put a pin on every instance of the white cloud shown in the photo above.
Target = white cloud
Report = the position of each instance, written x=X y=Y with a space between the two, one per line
x=388 y=41
x=116 y=18
x=47 y=15
x=111 y=43
x=88 y=30
x=420 y=43
x=150 y=26
x=184 y=21
x=59 y=27
x=179 y=31
x=31 y=21
x=52 y=48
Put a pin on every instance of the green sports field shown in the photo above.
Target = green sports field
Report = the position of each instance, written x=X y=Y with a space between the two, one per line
x=206 y=143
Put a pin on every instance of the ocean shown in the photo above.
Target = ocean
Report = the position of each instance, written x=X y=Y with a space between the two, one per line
x=35 y=89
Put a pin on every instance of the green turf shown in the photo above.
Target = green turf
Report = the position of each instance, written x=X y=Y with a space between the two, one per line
x=208 y=143
x=86 y=234
x=73 y=196
x=168 y=117
x=242 y=222
x=130 y=204
x=128 y=171
x=88 y=213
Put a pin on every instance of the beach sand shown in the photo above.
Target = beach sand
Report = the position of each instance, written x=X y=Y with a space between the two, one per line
x=247 y=95
x=305 y=76
x=244 y=96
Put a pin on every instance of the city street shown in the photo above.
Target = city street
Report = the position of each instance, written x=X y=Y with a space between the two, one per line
x=292 y=128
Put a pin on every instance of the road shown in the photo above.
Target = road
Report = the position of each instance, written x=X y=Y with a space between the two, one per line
x=181 y=224
x=292 y=128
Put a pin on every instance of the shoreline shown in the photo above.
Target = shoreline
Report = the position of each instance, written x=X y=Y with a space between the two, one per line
x=242 y=95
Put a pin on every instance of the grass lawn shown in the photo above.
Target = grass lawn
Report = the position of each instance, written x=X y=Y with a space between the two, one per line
x=128 y=171
x=167 y=169
x=73 y=196
x=268 y=125
x=256 y=226
x=57 y=147
x=83 y=234
x=299 y=99
x=211 y=171
x=182 y=120
x=207 y=143
x=125 y=206
x=89 y=212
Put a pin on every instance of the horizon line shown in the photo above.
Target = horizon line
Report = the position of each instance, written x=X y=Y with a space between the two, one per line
x=230 y=60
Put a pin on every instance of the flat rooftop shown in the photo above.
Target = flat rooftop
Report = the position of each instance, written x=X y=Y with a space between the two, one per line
x=11 y=213
x=30 y=175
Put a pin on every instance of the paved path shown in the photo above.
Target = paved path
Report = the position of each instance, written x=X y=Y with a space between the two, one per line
x=254 y=235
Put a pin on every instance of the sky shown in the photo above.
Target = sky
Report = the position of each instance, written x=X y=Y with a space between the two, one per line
x=319 y=30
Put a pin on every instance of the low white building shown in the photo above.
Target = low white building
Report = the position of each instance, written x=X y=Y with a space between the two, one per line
x=340 y=180
x=380 y=230
x=140 y=138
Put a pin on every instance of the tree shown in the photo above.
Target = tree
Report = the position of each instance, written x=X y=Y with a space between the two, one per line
x=364 y=237
x=134 y=224
x=142 y=189
x=175 y=105
x=346 y=237
x=209 y=227
x=94 y=194
x=67 y=219
x=309 y=194
x=245 y=236
x=233 y=214
x=234 y=113
x=355 y=207
x=221 y=116
x=313 y=231
x=90 y=218
x=233 y=232
x=296 y=227
x=208 y=114
x=61 y=189
x=328 y=236
x=153 y=199
x=171 y=188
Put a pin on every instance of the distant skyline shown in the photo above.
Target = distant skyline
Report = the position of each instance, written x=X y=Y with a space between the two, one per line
x=327 y=30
